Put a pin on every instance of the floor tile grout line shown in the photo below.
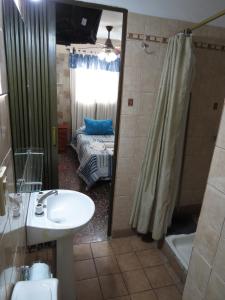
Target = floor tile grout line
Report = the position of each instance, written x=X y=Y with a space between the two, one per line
x=173 y=282
x=97 y=276
x=141 y=268
x=147 y=278
x=171 y=285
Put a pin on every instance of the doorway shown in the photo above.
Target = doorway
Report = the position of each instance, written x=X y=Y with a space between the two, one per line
x=90 y=44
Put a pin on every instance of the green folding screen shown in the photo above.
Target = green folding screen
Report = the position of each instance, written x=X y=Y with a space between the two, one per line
x=30 y=51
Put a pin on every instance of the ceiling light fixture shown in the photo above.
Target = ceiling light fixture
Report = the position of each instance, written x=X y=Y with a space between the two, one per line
x=108 y=52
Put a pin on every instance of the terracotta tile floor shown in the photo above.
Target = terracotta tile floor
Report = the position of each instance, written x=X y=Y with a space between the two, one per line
x=124 y=269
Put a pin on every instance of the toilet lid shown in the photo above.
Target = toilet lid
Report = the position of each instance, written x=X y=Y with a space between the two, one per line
x=24 y=290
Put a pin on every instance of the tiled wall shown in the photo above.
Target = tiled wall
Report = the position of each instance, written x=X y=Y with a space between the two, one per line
x=63 y=85
x=206 y=274
x=12 y=232
x=141 y=80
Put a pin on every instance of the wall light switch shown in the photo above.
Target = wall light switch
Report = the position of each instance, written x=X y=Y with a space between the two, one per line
x=130 y=102
x=2 y=189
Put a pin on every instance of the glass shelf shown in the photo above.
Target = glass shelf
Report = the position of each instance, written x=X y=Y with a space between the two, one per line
x=29 y=170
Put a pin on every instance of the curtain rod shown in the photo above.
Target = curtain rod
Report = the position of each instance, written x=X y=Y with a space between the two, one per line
x=207 y=20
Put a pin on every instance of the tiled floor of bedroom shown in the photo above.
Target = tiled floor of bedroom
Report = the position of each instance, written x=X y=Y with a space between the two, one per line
x=124 y=269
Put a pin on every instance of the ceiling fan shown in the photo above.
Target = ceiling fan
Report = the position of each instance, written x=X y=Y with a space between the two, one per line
x=108 y=51
x=108 y=45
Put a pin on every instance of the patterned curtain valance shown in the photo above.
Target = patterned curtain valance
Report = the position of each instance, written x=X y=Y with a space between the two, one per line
x=93 y=62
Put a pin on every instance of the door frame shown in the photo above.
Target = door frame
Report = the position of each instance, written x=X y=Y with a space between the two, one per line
x=120 y=87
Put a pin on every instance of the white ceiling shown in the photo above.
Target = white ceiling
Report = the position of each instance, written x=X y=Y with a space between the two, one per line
x=187 y=10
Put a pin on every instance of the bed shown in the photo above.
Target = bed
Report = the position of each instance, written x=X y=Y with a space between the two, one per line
x=95 y=154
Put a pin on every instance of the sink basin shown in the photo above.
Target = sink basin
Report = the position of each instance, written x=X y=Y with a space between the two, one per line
x=64 y=213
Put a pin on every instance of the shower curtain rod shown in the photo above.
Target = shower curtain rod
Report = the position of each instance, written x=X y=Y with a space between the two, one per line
x=207 y=20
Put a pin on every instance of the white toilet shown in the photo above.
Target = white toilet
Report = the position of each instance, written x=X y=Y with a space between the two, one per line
x=39 y=286
x=46 y=289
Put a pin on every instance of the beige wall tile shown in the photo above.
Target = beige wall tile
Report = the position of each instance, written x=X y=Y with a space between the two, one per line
x=216 y=288
x=121 y=212
x=221 y=136
x=123 y=185
x=217 y=174
x=139 y=150
x=124 y=168
x=126 y=148
x=132 y=78
x=206 y=240
x=63 y=85
x=128 y=126
x=191 y=292
x=133 y=53
x=213 y=208
x=219 y=265
x=198 y=273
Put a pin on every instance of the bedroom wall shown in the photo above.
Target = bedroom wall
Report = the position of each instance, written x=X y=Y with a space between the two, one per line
x=63 y=85
x=141 y=80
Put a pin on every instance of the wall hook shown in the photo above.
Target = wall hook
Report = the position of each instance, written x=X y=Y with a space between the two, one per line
x=146 y=46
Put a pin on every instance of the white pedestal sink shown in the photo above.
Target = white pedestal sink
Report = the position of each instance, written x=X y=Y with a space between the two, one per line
x=64 y=213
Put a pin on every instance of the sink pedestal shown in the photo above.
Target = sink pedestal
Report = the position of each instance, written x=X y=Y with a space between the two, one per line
x=65 y=267
x=65 y=212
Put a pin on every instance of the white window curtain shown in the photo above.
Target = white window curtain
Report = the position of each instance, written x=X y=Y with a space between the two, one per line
x=94 y=93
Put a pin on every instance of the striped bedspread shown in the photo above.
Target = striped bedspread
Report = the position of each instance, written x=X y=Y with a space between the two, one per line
x=95 y=164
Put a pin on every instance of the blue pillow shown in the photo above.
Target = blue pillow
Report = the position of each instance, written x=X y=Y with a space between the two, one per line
x=98 y=127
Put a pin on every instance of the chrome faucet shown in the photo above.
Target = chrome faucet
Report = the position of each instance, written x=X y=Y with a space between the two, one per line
x=44 y=196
